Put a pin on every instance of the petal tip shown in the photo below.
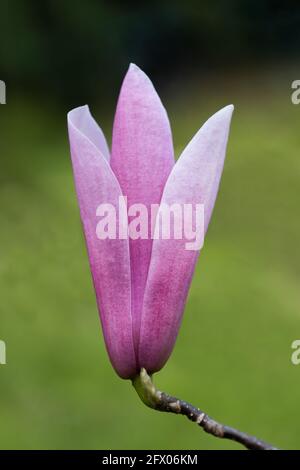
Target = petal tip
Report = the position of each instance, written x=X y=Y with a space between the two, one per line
x=134 y=68
x=136 y=75
x=223 y=117
x=81 y=121
x=71 y=115
x=227 y=110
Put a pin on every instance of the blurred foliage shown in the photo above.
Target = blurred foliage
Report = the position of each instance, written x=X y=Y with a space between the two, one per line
x=232 y=356
x=75 y=51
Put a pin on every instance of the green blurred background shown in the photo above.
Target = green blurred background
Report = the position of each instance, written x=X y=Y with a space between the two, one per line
x=232 y=357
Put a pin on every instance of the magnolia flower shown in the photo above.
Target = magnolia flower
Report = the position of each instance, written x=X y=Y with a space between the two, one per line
x=141 y=284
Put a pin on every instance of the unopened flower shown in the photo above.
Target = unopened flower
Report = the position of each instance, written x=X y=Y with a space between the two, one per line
x=141 y=284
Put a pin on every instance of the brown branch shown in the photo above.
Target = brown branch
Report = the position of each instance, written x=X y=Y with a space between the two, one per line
x=163 y=402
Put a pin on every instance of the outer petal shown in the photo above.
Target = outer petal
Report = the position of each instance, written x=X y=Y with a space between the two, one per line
x=142 y=158
x=194 y=179
x=90 y=129
x=109 y=259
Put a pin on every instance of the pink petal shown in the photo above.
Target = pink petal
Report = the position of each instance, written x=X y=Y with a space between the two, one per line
x=87 y=125
x=194 y=179
x=109 y=259
x=142 y=158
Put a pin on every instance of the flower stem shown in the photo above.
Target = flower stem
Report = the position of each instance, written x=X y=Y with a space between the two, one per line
x=161 y=401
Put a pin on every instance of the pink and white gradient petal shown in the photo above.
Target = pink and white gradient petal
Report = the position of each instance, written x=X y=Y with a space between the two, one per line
x=194 y=179
x=109 y=259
